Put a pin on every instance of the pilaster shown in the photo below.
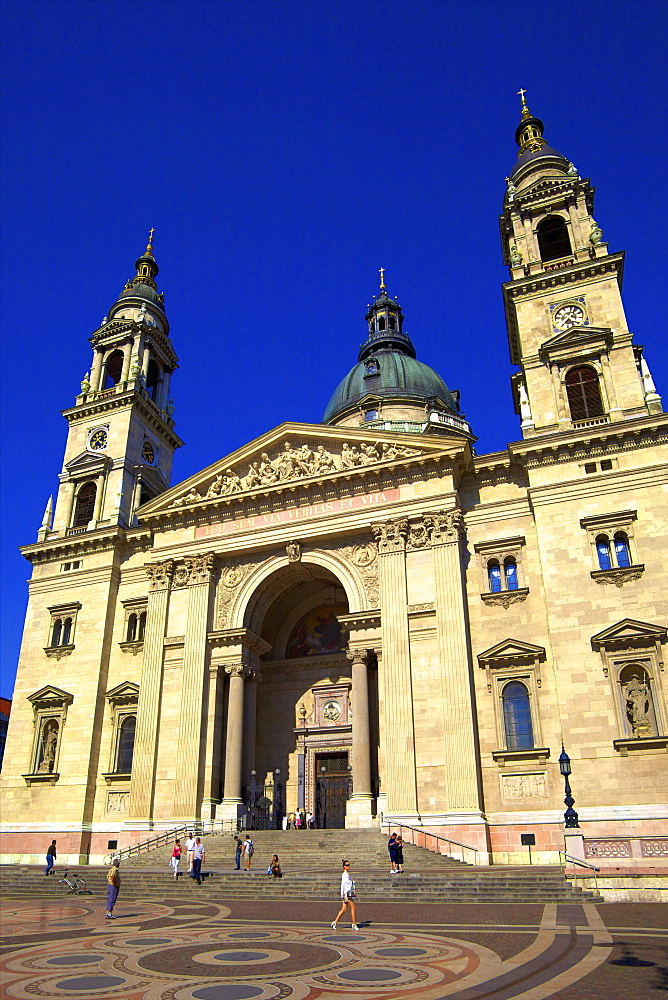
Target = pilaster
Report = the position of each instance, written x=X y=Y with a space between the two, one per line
x=396 y=685
x=213 y=747
x=150 y=694
x=199 y=571
x=359 y=810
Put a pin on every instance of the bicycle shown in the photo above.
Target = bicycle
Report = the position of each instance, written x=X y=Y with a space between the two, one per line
x=72 y=885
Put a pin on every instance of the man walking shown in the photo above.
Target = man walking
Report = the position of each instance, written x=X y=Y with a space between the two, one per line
x=113 y=885
x=237 y=854
x=190 y=847
x=198 y=857
x=50 y=857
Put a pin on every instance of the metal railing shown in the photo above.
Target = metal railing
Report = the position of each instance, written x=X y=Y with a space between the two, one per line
x=221 y=826
x=425 y=836
x=569 y=860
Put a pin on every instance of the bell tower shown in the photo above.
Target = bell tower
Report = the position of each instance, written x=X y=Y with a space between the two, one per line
x=567 y=330
x=121 y=439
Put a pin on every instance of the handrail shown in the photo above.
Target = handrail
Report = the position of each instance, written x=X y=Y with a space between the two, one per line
x=160 y=839
x=435 y=836
x=569 y=859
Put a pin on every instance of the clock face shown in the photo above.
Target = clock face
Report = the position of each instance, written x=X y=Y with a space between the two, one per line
x=98 y=439
x=148 y=453
x=568 y=316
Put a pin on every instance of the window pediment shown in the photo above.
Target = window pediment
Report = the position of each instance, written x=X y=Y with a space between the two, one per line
x=50 y=697
x=576 y=341
x=125 y=693
x=511 y=651
x=630 y=633
x=86 y=462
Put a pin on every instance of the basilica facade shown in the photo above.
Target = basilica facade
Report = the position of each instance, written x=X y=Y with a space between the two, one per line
x=363 y=618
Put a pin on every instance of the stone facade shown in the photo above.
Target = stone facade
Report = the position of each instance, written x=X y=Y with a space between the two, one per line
x=388 y=620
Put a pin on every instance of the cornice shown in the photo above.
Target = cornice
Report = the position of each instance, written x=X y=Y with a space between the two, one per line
x=74 y=580
x=99 y=540
x=576 y=272
x=96 y=404
x=569 y=446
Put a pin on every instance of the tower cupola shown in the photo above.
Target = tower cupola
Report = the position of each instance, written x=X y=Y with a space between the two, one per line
x=141 y=294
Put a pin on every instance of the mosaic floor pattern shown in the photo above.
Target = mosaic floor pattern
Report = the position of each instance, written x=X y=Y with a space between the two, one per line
x=160 y=951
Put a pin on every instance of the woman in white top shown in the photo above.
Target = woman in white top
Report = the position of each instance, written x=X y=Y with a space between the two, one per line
x=347 y=897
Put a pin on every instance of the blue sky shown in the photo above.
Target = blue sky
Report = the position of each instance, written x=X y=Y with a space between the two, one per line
x=284 y=151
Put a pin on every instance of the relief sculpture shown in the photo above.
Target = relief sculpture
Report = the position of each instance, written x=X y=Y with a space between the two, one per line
x=295 y=463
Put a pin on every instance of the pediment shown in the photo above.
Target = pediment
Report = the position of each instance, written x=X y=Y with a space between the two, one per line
x=126 y=691
x=293 y=455
x=511 y=650
x=87 y=462
x=50 y=695
x=576 y=338
x=629 y=632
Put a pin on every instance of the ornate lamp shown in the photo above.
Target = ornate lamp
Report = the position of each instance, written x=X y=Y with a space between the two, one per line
x=570 y=816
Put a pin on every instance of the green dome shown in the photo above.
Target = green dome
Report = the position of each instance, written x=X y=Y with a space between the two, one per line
x=399 y=377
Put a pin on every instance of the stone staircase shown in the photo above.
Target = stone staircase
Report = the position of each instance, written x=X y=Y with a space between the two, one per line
x=311 y=862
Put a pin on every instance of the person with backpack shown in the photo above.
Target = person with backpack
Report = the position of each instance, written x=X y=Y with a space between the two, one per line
x=248 y=851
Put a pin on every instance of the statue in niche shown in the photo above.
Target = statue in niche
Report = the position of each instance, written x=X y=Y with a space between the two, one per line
x=49 y=745
x=294 y=551
x=637 y=706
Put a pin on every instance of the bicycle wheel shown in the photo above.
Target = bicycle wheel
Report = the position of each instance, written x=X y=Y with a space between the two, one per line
x=81 y=887
x=64 y=886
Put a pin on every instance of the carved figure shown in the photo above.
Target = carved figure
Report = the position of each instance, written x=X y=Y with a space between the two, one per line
x=512 y=190
x=515 y=257
x=369 y=454
x=85 y=383
x=347 y=461
x=572 y=170
x=253 y=477
x=525 y=408
x=323 y=461
x=231 y=482
x=354 y=455
x=637 y=706
x=596 y=235
x=215 y=488
x=286 y=462
x=266 y=471
x=331 y=712
x=390 y=452
x=304 y=460
x=49 y=744
x=294 y=551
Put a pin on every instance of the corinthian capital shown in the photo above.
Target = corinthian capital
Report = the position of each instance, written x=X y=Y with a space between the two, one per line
x=200 y=568
x=446 y=527
x=159 y=574
x=391 y=535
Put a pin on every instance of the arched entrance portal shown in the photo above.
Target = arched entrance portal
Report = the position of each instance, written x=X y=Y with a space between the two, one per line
x=293 y=703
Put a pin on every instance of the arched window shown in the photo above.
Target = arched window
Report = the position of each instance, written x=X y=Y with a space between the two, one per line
x=152 y=378
x=494 y=575
x=553 y=241
x=603 y=552
x=67 y=632
x=56 y=632
x=584 y=393
x=141 y=627
x=126 y=744
x=393 y=322
x=381 y=322
x=113 y=369
x=85 y=506
x=517 y=717
x=622 y=551
x=510 y=572
x=132 y=628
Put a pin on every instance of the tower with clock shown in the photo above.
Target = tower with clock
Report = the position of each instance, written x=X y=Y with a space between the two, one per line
x=567 y=329
x=121 y=438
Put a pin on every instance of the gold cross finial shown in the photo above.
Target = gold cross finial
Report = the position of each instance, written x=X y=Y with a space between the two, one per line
x=522 y=93
x=150 y=239
x=525 y=107
x=382 y=278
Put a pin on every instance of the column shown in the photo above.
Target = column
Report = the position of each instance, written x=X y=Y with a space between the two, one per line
x=99 y=497
x=189 y=748
x=150 y=693
x=250 y=725
x=127 y=353
x=214 y=735
x=234 y=741
x=459 y=718
x=146 y=357
x=358 y=812
x=397 y=693
x=96 y=371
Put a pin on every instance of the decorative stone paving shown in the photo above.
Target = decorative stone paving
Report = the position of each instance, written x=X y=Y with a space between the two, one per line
x=58 y=949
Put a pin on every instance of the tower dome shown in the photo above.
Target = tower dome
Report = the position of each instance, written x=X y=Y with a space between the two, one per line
x=534 y=151
x=141 y=292
x=388 y=387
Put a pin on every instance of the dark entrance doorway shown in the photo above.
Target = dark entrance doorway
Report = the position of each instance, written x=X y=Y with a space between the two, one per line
x=334 y=787
x=264 y=805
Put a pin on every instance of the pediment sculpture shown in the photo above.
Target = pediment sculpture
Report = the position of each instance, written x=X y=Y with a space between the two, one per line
x=295 y=463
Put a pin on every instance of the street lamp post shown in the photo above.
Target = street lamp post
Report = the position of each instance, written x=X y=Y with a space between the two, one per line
x=570 y=816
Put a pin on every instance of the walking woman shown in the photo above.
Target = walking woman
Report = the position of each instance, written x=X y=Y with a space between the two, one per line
x=348 y=896
x=175 y=859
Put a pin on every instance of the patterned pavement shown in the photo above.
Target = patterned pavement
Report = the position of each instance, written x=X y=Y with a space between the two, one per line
x=207 y=950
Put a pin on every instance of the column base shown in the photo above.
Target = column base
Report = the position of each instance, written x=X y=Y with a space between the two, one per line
x=574 y=843
x=209 y=807
x=230 y=810
x=359 y=813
